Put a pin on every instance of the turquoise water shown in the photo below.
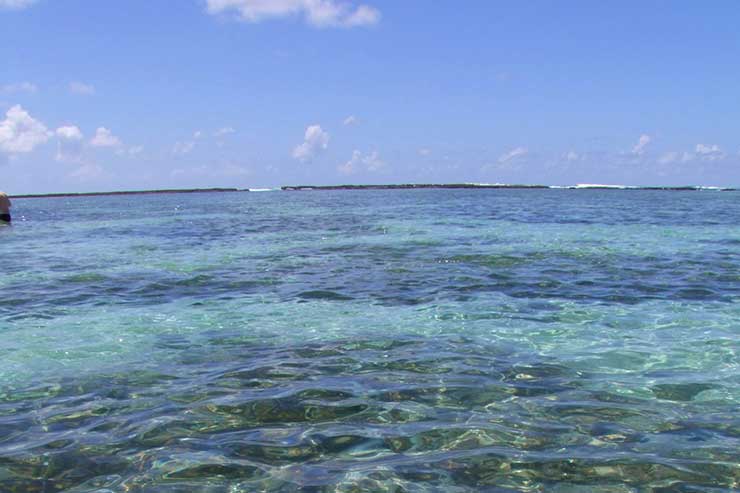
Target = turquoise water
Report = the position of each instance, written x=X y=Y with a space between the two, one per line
x=404 y=341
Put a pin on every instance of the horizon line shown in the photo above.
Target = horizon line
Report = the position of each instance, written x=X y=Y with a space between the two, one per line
x=399 y=186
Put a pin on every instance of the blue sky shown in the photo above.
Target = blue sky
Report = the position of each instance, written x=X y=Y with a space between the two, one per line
x=257 y=93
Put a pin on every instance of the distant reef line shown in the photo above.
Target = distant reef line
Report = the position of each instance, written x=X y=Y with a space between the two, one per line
x=407 y=186
x=402 y=186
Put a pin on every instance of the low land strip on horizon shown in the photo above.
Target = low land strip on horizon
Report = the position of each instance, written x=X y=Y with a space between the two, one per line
x=293 y=188
x=404 y=186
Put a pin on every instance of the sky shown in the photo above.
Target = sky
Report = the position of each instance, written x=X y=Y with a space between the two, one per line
x=149 y=94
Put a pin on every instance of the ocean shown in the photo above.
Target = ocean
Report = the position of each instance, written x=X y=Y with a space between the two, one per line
x=372 y=340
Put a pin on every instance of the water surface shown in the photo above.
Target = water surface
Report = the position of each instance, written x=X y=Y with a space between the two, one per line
x=405 y=341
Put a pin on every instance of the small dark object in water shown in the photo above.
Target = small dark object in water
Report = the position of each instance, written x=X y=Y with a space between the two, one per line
x=4 y=207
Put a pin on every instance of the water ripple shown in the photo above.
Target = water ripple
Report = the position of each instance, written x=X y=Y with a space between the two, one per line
x=565 y=341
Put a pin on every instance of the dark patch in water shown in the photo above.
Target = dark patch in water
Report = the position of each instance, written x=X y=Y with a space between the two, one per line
x=323 y=295
x=682 y=391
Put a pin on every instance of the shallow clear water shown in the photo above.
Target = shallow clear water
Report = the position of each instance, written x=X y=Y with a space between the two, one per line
x=405 y=341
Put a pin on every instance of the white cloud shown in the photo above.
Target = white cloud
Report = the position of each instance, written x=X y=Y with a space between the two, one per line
x=709 y=152
x=16 y=4
x=424 y=151
x=69 y=133
x=513 y=154
x=197 y=134
x=20 y=133
x=642 y=143
x=223 y=131
x=370 y=162
x=572 y=156
x=314 y=142
x=350 y=120
x=364 y=15
x=81 y=88
x=183 y=148
x=27 y=87
x=104 y=138
x=318 y=13
x=69 y=144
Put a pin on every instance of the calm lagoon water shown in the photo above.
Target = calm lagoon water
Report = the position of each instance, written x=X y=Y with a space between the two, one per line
x=401 y=341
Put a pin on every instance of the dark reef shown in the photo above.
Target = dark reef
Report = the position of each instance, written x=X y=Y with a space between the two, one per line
x=294 y=188
x=405 y=186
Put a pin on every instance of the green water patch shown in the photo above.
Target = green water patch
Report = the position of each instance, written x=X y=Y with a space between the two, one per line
x=85 y=278
x=566 y=341
x=407 y=407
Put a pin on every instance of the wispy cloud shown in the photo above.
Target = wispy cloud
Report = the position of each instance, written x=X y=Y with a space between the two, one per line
x=182 y=148
x=16 y=4
x=317 y=13
x=709 y=152
x=88 y=172
x=668 y=157
x=512 y=155
x=18 y=87
x=81 y=88
x=223 y=170
x=702 y=152
x=642 y=143
x=359 y=162
x=350 y=120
